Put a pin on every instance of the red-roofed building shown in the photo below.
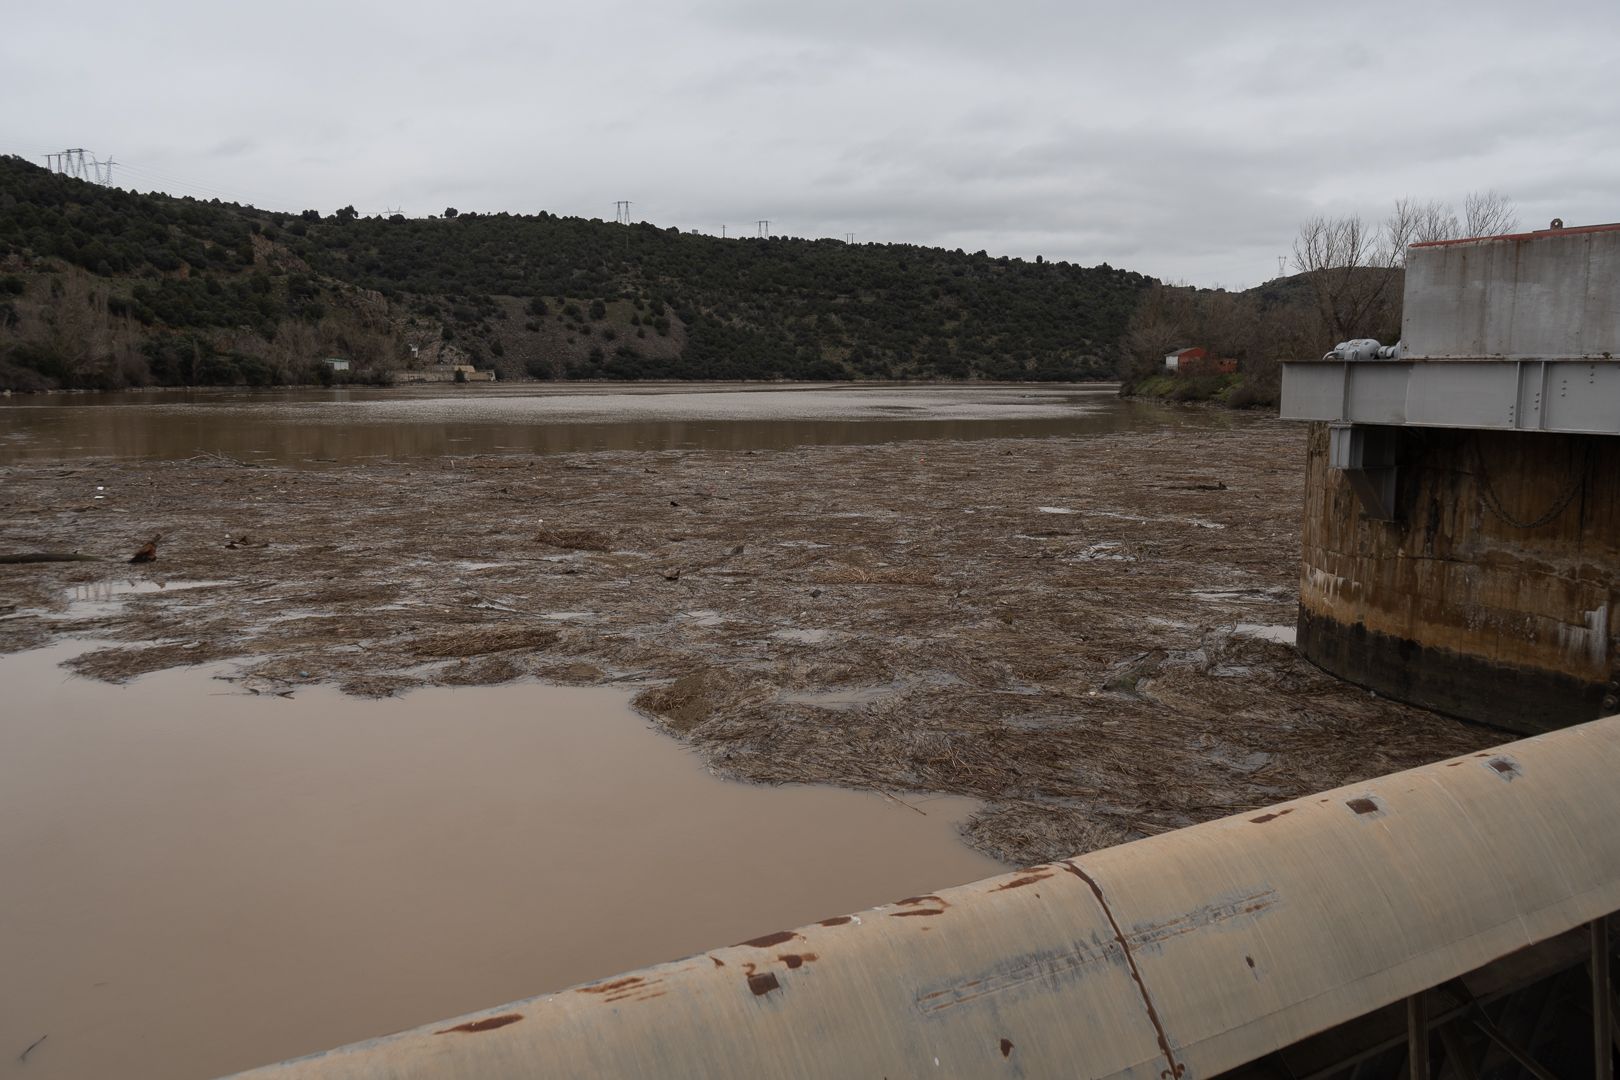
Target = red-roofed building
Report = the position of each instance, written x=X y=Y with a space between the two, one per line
x=1197 y=361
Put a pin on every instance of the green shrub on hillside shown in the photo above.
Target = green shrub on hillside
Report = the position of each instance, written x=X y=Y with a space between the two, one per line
x=717 y=309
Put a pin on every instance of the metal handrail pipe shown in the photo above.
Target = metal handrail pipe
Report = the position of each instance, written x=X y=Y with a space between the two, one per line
x=1171 y=958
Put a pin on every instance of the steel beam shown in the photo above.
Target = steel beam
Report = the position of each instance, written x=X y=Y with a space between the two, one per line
x=1417 y=1036
x=1571 y=395
x=1602 y=1002
x=1457 y=1052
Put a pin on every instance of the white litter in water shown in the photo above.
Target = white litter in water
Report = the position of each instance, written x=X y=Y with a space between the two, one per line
x=1283 y=635
x=807 y=637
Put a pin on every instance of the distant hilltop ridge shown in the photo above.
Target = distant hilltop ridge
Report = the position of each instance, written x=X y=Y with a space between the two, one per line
x=104 y=288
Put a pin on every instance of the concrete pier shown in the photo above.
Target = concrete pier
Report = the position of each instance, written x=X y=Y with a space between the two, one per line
x=1462 y=517
x=1492 y=593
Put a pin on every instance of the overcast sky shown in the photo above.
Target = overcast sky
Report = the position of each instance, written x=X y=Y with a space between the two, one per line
x=1184 y=140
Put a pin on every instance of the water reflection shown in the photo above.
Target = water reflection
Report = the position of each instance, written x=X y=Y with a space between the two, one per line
x=313 y=428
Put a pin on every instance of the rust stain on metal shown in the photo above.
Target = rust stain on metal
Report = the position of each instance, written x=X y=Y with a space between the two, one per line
x=610 y=987
x=1363 y=806
x=638 y=993
x=635 y=992
x=1273 y=816
x=929 y=898
x=1249 y=960
x=797 y=960
x=771 y=939
x=717 y=961
x=1006 y=1048
x=487 y=1024
x=1506 y=767
x=1020 y=882
x=836 y=920
x=763 y=983
x=1176 y=1068
x=1517 y=238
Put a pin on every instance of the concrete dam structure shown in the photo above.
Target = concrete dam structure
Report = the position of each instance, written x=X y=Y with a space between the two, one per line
x=1461 y=543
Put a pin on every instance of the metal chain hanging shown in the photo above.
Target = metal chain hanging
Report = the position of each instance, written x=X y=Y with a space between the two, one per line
x=1493 y=502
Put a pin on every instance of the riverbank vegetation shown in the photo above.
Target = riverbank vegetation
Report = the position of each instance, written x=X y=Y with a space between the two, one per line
x=1350 y=274
x=1255 y=328
x=104 y=288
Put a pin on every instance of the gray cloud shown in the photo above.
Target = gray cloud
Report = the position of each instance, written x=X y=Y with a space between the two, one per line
x=1184 y=140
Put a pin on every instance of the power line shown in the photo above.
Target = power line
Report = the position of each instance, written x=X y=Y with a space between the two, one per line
x=76 y=164
x=157 y=180
x=621 y=211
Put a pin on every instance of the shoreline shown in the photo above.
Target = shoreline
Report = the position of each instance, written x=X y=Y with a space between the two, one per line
x=620 y=386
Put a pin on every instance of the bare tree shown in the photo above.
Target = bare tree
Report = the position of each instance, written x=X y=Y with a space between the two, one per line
x=1350 y=266
x=1157 y=326
x=1489 y=213
x=1420 y=223
x=1354 y=269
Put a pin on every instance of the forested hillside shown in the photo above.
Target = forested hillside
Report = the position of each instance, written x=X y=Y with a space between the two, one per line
x=105 y=288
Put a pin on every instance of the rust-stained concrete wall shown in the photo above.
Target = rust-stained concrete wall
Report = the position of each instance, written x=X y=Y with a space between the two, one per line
x=1456 y=605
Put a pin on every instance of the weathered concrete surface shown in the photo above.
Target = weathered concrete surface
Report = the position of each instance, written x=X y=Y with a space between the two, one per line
x=1493 y=594
x=1538 y=295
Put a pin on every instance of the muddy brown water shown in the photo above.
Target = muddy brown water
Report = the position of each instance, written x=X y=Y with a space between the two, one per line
x=325 y=427
x=198 y=880
x=194 y=880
